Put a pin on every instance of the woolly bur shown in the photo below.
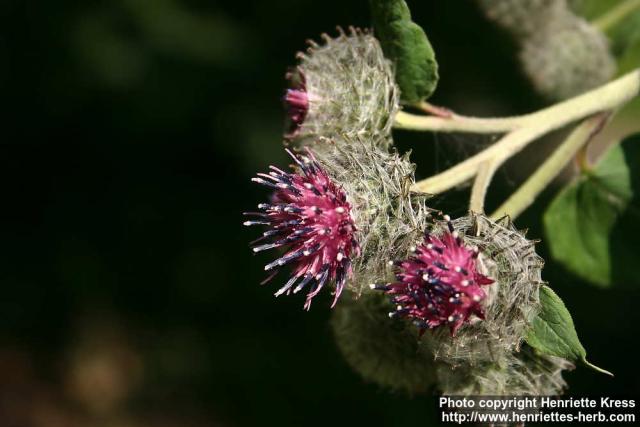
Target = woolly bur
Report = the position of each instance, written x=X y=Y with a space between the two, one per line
x=566 y=57
x=343 y=87
x=470 y=266
x=512 y=301
x=469 y=292
x=490 y=357
x=562 y=54
x=383 y=350
x=389 y=217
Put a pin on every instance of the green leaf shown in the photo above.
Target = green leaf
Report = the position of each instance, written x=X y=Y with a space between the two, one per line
x=592 y=224
x=552 y=331
x=406 y=44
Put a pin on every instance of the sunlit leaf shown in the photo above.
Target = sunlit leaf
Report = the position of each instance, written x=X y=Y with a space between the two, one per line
x=553 y=332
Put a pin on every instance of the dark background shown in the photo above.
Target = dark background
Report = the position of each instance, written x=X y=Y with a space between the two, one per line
x=130 y=132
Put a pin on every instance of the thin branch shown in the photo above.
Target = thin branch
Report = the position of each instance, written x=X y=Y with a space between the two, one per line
x=480 y=186
x=582 y=158
x=435 y=110
x=504 y=148
x=603 y=98
x=455 y=123
x=522 y=198
x=531 y=127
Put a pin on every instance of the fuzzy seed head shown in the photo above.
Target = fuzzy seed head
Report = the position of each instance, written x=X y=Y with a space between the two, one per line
x=310 y=216
x=382 y=350
x=522 y=373
x=440 y=284
x=522 y=18
x=344 y=87
x=567 y=57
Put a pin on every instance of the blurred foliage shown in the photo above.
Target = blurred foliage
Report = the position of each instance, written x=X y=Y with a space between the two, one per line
x=589 y=223
x=624 y=37
x=131 y=130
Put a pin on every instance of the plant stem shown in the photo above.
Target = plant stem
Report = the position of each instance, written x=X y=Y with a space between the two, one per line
x=525 y=129
x=582 y=159
x=616 y=14
x=542 y=177
x=499 y=152
x=481 y=185
x=574 y=108
x=455 y=123
x=434 y=109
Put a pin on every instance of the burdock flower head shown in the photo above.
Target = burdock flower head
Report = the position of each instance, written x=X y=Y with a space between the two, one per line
x=439 y=284
x=343 y=212
x=310 y=216
x=344 y=87
x=511 y=302
x=460 y=271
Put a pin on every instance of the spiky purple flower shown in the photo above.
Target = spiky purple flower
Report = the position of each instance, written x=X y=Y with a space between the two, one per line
x=440 y=284
x=310 y=216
